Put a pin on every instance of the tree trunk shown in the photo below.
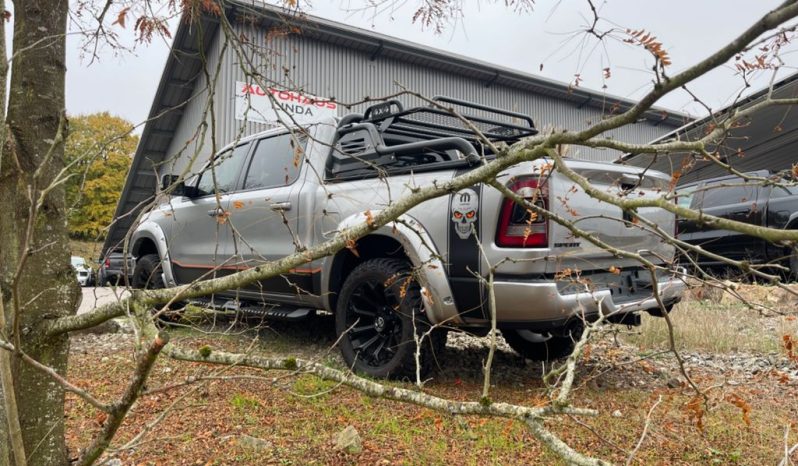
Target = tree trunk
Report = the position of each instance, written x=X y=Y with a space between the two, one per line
x=45 y=286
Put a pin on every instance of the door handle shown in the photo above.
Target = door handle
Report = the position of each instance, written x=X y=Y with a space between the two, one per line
x=281 y=206
x=216 y=212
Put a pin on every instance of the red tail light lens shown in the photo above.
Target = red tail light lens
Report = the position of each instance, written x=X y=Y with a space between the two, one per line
x=107 y=262
x=520 y=227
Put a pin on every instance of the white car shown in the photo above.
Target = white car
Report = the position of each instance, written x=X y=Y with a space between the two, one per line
x=84 y=273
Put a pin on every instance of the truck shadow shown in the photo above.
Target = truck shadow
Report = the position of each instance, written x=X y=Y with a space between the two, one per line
x=461 y=361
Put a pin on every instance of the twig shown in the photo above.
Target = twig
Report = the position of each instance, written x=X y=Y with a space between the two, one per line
x=787 y=454
x=787 y=451
x=120 y=408
x=645 y=431
x=9 y=348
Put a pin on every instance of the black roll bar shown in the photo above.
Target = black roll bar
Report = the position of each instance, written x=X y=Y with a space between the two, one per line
x=486 y=108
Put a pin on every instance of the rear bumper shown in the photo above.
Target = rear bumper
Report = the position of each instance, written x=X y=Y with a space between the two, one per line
x=84 y=280
x=542 y=304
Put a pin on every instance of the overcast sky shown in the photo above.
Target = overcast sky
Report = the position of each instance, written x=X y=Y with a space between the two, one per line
x=125 y=83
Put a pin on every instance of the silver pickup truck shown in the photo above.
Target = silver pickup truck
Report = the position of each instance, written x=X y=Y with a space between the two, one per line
x=266 y=196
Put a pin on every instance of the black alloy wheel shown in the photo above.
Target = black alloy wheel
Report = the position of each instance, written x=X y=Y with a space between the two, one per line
x=148 y=273
x=378 y=311
x=792 y=264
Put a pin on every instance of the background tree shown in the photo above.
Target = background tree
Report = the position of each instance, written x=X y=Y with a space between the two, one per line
x=34 y=257
x=98 y=151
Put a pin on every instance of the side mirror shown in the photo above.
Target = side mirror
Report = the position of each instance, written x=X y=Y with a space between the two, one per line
x=170 y=183
x=167 y=181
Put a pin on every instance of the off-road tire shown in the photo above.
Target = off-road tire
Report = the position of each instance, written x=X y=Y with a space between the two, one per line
x=549 y=349
x=148 y=273
x=377 y=307
x=114 y=280
x=792 y=265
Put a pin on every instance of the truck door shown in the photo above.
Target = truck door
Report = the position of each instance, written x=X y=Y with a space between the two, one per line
x=782 y=206
x=265 y=213
x=735 y=200
x=200 y=230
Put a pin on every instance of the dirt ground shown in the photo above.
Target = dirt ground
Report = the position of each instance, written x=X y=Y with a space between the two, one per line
x=244 y=416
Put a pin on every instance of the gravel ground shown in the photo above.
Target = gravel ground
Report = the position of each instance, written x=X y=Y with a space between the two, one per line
x=608 y=363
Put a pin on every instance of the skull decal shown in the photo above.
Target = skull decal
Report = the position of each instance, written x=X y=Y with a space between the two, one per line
x=464 y=211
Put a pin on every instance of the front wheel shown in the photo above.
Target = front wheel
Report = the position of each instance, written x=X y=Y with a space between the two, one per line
x=792 y=265
x=376 y=317
x=539 y=346
x=148 y=273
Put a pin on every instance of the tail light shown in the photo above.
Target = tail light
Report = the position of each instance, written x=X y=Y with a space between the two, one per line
x=520 y=227
x=107 y=262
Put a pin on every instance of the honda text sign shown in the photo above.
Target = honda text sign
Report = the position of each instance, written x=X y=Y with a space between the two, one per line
x=274 y=106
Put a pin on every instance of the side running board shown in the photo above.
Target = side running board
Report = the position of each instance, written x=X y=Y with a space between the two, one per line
x=268 y=311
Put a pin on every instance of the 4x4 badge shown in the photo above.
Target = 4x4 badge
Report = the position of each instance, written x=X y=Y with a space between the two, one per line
x=464 y=211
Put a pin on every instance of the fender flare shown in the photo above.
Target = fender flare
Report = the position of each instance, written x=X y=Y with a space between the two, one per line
x=792 y=222
x=424 y=257
x=151 y=231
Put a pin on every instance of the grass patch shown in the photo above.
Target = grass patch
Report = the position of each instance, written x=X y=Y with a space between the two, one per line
x=244 y=403
x=88 y=250
x=312 y=386
x=718 y=327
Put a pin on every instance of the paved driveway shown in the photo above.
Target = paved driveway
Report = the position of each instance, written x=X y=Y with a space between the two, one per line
x=97 y=296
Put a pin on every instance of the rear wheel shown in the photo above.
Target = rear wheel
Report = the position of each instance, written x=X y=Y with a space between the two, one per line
x=379 y=309
x=657 y=311
x=539 y=346
x=113 y=280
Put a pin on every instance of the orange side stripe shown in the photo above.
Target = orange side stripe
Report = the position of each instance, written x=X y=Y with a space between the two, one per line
x=240 y=267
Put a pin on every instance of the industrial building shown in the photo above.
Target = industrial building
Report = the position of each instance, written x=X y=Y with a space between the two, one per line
x=762 y=141
x=214 y=89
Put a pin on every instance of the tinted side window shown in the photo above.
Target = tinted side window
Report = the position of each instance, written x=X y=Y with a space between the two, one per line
x=725 y=195
x=783 y=191
x=226 y=167
x=275 y=162
x=685 y=196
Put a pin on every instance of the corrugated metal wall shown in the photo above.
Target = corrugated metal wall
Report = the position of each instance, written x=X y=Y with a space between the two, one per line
x=350 y=75
x=191 y=143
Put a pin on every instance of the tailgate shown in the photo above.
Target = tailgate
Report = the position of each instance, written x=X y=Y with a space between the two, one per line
x=606 y=221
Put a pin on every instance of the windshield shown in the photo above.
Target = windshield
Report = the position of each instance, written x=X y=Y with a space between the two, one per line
x=78 y=262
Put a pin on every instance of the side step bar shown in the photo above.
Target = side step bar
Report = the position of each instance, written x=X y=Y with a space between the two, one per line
x=267 y=311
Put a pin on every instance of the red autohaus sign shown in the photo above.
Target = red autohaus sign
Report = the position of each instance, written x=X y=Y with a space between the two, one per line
x=272 y=105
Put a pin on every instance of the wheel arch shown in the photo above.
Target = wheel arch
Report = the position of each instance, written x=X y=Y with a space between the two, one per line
x=150 y=239
x=792 y=223
x=143 y=246
x=406 y=239
x=369 y=247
